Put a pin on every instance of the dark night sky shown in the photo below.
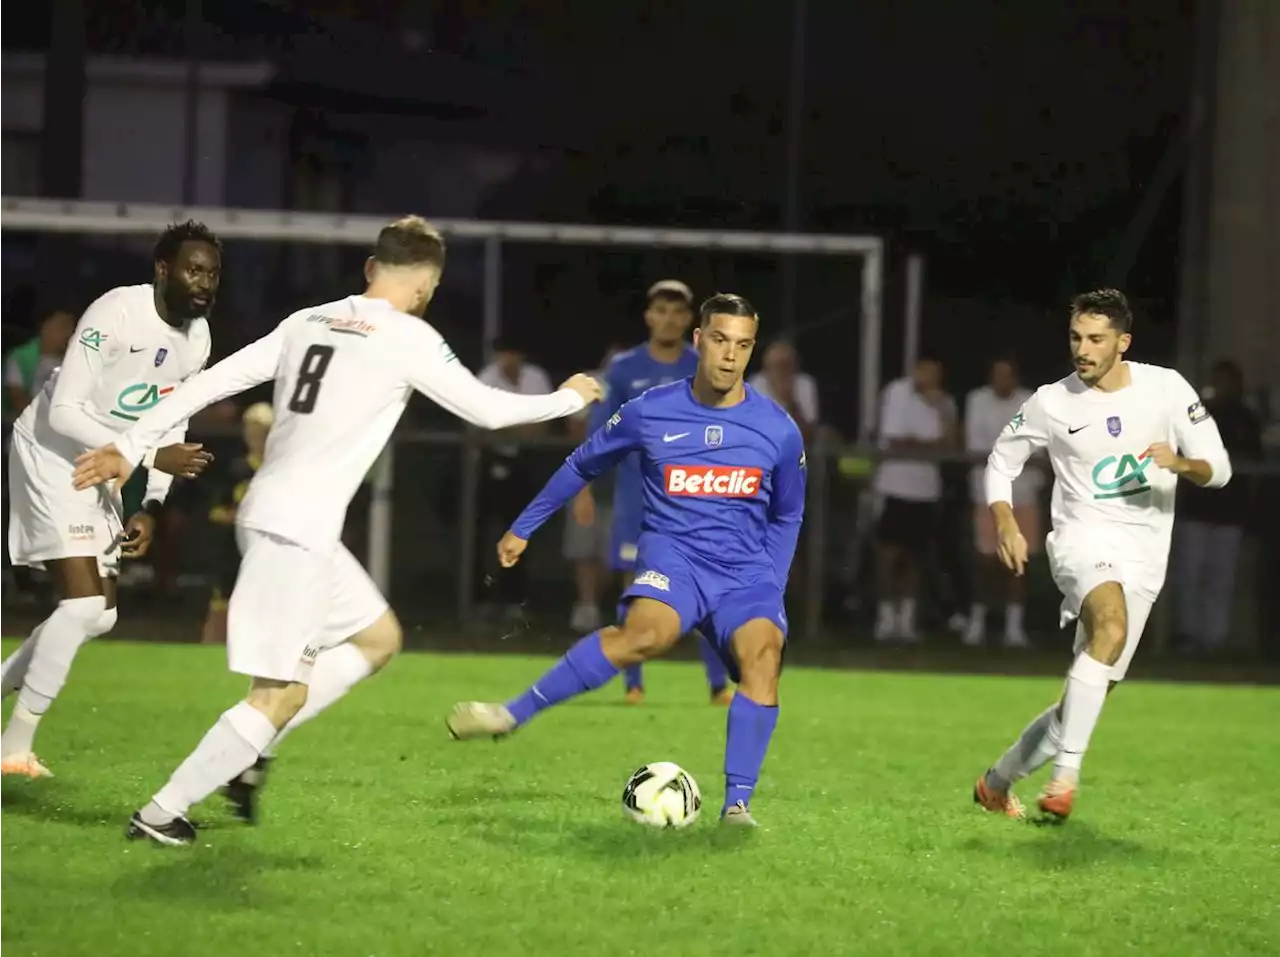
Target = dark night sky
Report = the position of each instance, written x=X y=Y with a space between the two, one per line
x=1009 y=140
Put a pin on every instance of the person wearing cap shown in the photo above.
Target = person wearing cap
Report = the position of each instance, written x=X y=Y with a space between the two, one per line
x=666 y=357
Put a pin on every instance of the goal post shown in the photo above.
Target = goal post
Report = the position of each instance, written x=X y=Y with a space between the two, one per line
x=865 y=284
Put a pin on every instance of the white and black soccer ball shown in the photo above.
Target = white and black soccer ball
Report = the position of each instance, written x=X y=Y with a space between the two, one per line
x=662 y=794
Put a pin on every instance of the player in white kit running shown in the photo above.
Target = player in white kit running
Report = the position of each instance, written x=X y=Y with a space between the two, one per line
x=305 y=622
x=130 y=350
x=1118 y=434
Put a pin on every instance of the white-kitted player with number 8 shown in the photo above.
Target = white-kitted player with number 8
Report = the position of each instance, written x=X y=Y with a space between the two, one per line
x=305 y=622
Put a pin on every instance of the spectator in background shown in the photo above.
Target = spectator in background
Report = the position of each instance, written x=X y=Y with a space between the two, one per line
x=781 y=380
x=587 y=530
x=1211 y=522
x=987 y=411
x=916 y=415
x=508 y=479
x=230 y=483
x=28 y=367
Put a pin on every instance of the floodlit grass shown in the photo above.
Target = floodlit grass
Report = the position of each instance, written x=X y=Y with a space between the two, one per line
x=383 y=837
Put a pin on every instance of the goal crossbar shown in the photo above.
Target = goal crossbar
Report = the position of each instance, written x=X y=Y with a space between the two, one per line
x=80 y=216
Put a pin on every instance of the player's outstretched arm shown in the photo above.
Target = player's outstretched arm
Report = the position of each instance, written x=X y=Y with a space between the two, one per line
x=430 y=367
x=604 y=449
x=94 y=344
x=786 y=507
x=1203 y=459
x=254 y=364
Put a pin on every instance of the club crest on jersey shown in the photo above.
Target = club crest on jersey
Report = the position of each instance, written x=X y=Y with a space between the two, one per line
x=161 y=353
x=714 y=435
x=1113 y=424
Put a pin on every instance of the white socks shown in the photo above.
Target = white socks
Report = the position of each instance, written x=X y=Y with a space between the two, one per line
x=336 y=671
x=231 y=746
x=1087 y=683
x=44 y=661
x=14 y=670
x=1037 y=745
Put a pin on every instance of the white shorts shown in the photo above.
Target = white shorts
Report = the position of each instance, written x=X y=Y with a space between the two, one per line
x=1082 y=561
x=49 y=519
x=290 y=603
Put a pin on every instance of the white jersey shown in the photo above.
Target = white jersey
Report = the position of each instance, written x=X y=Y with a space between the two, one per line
x=343 y=374
x=1096 y=442
x=986 y=413
x=123 y=360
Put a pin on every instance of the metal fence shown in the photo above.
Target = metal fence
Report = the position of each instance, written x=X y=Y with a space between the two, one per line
x=428 y=532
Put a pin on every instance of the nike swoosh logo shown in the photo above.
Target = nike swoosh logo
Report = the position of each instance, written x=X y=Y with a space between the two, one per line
x=1076 y=429
x=672 y=438
x=141 y=349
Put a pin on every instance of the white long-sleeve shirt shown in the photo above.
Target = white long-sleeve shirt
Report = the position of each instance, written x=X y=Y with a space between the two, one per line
x=343 y=374
x=123 y=360
x=1095 y=442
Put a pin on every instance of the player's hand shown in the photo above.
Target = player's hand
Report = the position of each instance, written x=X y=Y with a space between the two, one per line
x=585 y=386
x=1011 y=547
x=136 y=538
x=1163 y=454
x=101 y=465
x=510 y=549
x=187 y=459
x=583 y=508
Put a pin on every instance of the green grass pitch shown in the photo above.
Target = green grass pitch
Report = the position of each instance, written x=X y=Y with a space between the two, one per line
x=383 y=837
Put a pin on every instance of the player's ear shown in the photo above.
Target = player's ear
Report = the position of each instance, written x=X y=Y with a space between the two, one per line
x=1125 y=339
x=370 y=267
x=161 y=271
x=697 y=337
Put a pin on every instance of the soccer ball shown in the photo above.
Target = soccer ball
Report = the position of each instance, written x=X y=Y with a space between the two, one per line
x=662 y=794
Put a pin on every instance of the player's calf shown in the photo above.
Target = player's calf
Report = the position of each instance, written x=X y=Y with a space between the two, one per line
x=593 y=661
x=753 y=713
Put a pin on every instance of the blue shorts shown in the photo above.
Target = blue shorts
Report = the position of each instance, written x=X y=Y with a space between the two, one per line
x=707 y=597
x=625 y=537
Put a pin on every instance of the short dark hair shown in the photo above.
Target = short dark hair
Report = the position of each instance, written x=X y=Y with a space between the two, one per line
x=409 y=241
x=725 y=304
x=171 y=240
x=1105 y=302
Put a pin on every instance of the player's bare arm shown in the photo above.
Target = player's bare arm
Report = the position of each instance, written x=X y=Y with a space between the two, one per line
x=1164 y=455
x=1011 y=545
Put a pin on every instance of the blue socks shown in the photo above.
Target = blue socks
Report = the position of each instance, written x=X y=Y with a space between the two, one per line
x=717 y=674
x=750 y=727
x=634 y=676
x=583 y=668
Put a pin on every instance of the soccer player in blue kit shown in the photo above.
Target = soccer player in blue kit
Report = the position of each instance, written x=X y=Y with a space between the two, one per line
x=664 y=358
x=723 y=469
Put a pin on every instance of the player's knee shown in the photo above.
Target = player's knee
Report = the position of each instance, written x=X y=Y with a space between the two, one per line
x=1107 y=634
x=106 y=621
x=381 y=641
x=85 y=612
x=278 y=700
x=759 y=654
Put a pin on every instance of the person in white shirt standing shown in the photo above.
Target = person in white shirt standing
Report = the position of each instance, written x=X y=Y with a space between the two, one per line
x=1119 y=435
x=916 y=415
x=130 y=350
x=986 y=412
x=781 y=380
x=305 y=622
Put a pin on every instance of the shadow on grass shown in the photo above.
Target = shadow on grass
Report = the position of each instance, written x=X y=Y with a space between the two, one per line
x=227 y=875
x=59 y=801
x=1072 y=846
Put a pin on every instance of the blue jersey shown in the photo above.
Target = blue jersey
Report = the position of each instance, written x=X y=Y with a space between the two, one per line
x=725 y=486
x=629 y=375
